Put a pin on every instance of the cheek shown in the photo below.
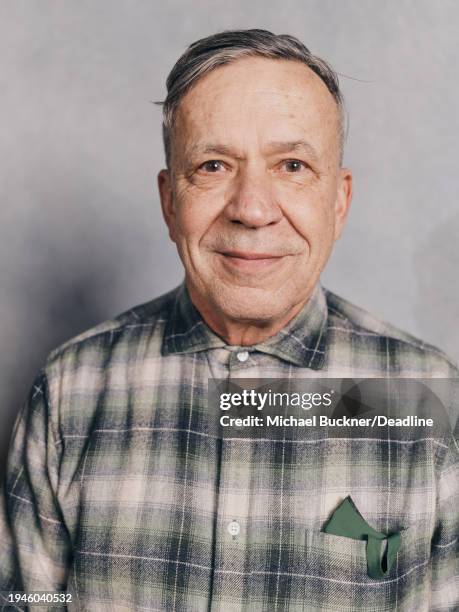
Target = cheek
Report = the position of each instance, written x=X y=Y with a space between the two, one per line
x=313 y=222
x=193 y=219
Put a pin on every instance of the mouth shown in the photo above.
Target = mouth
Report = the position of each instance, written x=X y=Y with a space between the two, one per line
x=246 y=261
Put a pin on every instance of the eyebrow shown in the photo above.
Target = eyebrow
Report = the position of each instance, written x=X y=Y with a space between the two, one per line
x=219 y=149
x=275 y=146
x=285 y=146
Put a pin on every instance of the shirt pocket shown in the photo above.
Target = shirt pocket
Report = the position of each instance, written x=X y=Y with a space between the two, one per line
x=336 y=570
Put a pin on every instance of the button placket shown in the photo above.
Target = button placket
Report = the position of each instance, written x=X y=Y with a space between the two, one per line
x=233 y=509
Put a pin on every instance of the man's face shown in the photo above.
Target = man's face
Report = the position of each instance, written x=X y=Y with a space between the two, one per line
x=255 y=196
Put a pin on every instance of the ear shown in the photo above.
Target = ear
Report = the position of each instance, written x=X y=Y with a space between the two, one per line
x=343 y=200
x=167 y=201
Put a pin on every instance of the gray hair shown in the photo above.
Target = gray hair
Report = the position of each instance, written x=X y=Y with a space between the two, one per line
x=223 y=48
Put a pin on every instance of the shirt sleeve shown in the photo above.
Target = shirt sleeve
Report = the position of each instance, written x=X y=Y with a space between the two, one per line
x=35 y=548
x=445 y=551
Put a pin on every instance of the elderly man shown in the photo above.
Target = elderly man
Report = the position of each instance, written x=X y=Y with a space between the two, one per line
x=117 y=491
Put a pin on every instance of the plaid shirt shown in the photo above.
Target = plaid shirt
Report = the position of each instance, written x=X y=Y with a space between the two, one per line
x=117 y=492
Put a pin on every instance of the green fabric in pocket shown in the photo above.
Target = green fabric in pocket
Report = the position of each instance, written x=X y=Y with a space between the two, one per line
x=347 y=521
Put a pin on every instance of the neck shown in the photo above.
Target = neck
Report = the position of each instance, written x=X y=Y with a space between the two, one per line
x=241 y=332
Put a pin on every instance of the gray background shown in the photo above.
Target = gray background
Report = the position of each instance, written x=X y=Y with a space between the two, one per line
x=82 y=236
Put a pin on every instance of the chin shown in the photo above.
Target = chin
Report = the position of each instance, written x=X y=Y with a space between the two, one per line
x=243 y=303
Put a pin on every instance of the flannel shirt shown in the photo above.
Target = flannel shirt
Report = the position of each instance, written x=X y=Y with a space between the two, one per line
x=117 y=493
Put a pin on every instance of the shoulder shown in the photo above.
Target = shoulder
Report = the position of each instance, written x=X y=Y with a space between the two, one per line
x=103 y=365
x=129 y=328
x=349 y=323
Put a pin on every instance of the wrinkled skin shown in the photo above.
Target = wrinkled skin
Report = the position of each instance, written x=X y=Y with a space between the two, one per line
x=255 y=195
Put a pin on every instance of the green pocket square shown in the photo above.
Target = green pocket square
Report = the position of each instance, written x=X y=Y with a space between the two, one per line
x=347 y=521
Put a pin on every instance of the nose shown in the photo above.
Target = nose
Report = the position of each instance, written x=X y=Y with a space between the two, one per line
x=252 y=202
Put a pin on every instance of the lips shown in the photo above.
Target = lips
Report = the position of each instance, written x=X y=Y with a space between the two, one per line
x=250 y=256
x=250 y=262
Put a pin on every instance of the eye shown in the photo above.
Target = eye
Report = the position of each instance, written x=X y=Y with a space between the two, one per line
x=294 y=165
x=213 y=165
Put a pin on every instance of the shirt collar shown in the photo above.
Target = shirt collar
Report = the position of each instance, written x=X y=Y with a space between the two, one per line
x=301 y=342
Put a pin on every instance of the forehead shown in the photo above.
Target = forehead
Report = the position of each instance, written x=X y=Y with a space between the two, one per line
x=258 y=99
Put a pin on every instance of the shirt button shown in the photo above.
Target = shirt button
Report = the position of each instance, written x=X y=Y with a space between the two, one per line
x=234 y=528
x=243 y=356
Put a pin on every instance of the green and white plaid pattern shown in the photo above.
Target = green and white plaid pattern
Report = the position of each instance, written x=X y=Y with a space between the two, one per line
x=118 y=491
